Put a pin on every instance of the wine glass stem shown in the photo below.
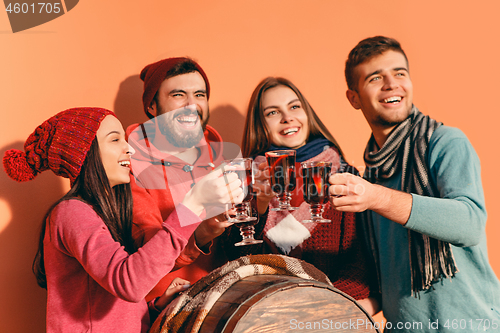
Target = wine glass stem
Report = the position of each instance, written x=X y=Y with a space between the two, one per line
x=241 y=210
x=247 y=231
x=284 y=199
x=316 y=211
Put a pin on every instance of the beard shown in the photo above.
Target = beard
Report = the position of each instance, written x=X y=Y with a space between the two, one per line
x=178 y=136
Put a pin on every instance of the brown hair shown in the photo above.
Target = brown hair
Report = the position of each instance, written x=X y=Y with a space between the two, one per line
x=365 y=50
x=113 y=205
x=187 y=66
x=257 y=138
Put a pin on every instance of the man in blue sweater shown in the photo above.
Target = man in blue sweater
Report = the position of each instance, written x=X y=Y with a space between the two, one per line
x=422 y=203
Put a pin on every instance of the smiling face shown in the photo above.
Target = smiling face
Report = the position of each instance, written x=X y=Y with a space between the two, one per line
x=115 y=151
x=384 y=92
x=285 y=117
x=181 y=107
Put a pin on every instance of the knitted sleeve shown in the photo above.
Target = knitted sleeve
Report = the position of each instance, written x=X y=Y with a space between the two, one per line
x=148 y=221
x=458 y=216
x=76 y=230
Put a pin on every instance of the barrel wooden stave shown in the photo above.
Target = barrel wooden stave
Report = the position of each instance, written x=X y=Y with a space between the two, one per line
x=269 y=303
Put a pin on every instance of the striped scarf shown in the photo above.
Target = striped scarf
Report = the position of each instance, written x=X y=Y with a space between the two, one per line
x=405 y=150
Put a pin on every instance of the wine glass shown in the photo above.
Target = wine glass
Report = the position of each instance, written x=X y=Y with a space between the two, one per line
x=282 y=172
x=316 y=188
x=243 y=218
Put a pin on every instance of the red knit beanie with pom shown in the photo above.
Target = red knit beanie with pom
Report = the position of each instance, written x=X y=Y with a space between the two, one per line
x=154 y=74
x=60 y=144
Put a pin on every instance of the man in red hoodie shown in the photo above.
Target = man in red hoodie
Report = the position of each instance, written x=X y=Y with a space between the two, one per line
x=175 y=150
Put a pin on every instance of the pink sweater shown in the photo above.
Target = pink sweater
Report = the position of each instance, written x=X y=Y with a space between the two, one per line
x=93 y=284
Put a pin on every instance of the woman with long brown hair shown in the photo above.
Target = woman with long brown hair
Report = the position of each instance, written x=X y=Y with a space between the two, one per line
x=96 y=279
x=279 y=117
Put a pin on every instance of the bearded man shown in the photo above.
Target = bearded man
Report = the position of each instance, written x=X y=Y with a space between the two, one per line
x=176 y=154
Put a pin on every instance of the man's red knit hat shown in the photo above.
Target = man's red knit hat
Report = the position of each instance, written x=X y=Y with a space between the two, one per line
x=154 y=74
x=60 y=144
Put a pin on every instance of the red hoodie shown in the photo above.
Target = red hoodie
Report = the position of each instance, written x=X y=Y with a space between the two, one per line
x=159 y=183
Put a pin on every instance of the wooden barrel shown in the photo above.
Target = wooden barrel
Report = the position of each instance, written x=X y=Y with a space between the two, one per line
x=278 y=303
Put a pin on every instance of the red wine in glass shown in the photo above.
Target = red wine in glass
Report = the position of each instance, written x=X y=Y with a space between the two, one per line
x=245 y=176
x=282 y=172
x=316 y=188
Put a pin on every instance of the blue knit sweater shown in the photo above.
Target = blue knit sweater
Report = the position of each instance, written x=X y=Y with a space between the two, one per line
x=471 y=300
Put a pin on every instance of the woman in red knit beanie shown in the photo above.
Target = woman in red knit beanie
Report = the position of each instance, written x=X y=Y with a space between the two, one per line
x=279 y=117
x=96 y=279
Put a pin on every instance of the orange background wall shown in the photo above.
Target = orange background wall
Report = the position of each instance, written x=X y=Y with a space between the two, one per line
x=92 y=56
